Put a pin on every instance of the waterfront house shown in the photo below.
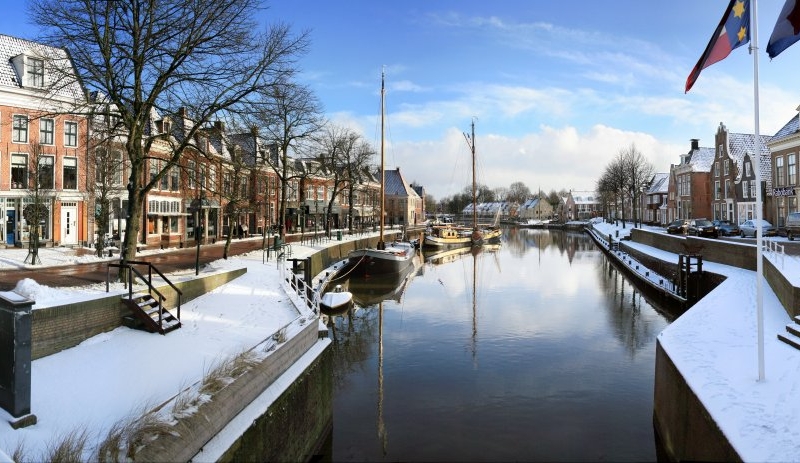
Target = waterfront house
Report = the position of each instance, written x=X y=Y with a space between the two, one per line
x=536 y=209
x=403 y=204
x=689 y=190
x=582 y=205
x=784 y=147
x=733 y=176
x=45 y=145
x=655 y=200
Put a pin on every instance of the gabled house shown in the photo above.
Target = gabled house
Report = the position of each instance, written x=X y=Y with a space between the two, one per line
x=582 y=205
x=655 y=200
x=689 y=190
x=44 y=145
x=784 y=147
x=733 y=175
x=536 y=209
x=403 y=204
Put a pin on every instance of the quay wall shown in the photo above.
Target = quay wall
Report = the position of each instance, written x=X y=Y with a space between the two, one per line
x=684 y=427
x=61 y=327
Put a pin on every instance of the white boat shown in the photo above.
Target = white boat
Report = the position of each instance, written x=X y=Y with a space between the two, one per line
x=384 y=258
x=336 y=300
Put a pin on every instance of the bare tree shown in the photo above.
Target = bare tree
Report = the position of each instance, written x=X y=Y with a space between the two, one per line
x=638 y=172
x=518 y=192
x=40 y=198
x=186 y=59
x=343 y=155
x=289 y=114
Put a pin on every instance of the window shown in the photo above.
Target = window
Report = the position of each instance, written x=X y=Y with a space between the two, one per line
x=46 y=131
x=727 y=166
x=745 y=189
x=716 y=189
x=727 y=188
x=747 y=169
x=164 y=181
x=35 y=72
x=19 y=130
x=19 y=171
x=70 y=134
x=70 y=174
x=46 y=172
x=716 y=168
x=174 y=179
x=779 y=174
x=191 y=173
x=791 y=169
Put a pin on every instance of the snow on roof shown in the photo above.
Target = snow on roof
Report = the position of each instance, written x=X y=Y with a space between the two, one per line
x=741 y=144
x=791 y=128
x=57 y=61
x=660 y=183
x=585 y=197
x=701 y=159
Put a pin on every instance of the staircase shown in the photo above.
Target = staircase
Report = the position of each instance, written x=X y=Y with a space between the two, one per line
x=792 y=335
x=150 y=313
x=147 y=308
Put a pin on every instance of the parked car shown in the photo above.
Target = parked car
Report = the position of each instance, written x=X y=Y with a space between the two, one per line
x=726 y=228
x=701 y=227
x=678 y=227
x=748 y=228
x=792 y=225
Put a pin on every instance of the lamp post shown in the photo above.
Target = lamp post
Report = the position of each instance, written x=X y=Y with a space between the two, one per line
x=197 y=208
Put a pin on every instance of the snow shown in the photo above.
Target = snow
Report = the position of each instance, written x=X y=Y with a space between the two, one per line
x=113 y=376
x=714 y=344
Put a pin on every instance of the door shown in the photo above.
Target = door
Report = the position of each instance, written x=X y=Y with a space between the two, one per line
x=11 y=228
x=69 y=221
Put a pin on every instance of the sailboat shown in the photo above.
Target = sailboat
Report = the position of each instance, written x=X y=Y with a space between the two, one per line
x=452 y=236
x=385 y=258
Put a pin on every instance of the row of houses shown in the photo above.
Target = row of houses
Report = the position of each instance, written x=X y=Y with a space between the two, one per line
x=720 y=182
x=54 y=157
x=576 y=205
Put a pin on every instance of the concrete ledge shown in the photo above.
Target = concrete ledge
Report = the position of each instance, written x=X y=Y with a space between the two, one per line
x=686 y=430
x=212 y=416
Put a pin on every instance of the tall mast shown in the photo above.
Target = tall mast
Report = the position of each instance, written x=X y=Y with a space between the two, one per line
x=471 y=143
x=381 y=244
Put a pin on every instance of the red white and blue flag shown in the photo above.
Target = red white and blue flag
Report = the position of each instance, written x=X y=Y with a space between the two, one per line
x=787 y=29
x=733 y=31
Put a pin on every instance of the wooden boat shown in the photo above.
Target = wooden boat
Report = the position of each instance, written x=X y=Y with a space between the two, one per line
x=453 y=236
x=383 y=259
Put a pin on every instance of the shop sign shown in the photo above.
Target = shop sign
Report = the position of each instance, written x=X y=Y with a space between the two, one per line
x=785 y=191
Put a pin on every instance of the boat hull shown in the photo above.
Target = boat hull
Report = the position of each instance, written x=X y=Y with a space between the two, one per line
x=369 y=261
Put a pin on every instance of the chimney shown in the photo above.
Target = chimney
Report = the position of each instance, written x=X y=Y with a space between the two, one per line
x=695 y=143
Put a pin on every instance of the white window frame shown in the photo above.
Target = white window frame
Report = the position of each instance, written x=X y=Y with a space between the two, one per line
x=34 y=70
x=47 y=129
x=71 y=136
x=19 y=128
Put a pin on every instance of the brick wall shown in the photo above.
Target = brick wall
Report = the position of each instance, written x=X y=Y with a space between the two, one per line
x=61 y=327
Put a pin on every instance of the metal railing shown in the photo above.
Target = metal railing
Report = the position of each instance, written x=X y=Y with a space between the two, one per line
x=776 y=250
x=148 y=281
x=296 y=286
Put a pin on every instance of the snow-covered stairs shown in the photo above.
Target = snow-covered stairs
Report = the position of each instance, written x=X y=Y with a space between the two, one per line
x=154 y=317
x=792 y=335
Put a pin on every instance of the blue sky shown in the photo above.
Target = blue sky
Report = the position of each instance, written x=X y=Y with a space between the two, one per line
x=556 y=88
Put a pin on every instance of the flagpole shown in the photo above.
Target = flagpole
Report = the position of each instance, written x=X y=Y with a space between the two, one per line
x=759 y=199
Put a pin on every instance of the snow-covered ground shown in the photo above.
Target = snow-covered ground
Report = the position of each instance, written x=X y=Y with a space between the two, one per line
x=714 y=344
x=715 y=347
x=115 y=375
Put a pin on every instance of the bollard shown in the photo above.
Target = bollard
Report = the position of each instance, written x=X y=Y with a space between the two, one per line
x=15 y=357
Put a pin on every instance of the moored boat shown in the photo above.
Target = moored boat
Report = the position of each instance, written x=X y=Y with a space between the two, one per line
x=384 y=258
x=336 y=300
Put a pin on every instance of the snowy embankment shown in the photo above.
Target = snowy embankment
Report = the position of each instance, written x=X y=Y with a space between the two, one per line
x=714 y=345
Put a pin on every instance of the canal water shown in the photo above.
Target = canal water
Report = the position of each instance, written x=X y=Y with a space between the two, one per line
x=538 y=349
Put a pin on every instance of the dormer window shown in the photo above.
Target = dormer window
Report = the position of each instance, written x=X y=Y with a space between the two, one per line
x=35 y=72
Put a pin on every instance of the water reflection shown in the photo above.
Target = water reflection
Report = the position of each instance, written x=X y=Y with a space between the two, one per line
x=516 y=353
